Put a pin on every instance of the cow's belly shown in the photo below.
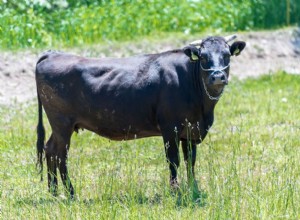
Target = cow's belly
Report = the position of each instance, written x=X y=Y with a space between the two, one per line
x=120 y=129
x=118 y=136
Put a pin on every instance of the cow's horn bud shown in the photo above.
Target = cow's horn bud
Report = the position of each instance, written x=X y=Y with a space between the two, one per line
x=230 y=38
x=196 y=43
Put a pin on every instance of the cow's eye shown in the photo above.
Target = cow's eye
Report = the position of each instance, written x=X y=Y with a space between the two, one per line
x=203 y=59
x=226 y=58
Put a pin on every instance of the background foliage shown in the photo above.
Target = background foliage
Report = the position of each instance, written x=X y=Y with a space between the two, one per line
x=42 y=23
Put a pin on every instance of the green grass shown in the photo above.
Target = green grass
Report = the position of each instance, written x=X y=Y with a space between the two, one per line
x=247 y=168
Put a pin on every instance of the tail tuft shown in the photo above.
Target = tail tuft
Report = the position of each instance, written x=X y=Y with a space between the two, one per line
x=40 y=138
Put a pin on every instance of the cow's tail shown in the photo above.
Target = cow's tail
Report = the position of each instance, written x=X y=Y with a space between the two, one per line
x=40 y=138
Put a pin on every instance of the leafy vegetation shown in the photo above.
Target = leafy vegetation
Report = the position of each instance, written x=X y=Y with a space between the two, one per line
x=36 y=23
x=247 y=168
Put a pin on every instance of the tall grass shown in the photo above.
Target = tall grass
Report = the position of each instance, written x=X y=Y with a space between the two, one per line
x=69 y=23
x=247 y=168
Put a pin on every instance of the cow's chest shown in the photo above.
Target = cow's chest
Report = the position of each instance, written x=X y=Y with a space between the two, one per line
x=196 y=130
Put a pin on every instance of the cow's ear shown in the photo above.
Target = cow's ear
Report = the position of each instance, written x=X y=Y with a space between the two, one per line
x=237 y=47
x=192 y=52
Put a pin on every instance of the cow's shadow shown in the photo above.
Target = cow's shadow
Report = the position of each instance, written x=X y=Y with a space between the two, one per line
x=187 y=197
x=181 y=197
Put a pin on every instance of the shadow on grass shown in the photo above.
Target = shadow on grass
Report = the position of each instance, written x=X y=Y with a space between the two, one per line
x=48 y=200
x=182 y=198
x=187 y=198
x=126 y=198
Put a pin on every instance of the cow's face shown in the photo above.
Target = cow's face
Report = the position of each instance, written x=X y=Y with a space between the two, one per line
x=213 y=55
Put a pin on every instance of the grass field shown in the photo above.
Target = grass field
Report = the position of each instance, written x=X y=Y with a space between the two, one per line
x=247 y=168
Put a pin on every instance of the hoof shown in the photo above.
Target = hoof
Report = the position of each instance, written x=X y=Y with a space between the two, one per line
x=174 y=185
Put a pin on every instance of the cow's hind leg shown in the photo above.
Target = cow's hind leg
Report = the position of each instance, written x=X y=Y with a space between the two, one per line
x=62 y=165
x=56 y=154
x=51 y=157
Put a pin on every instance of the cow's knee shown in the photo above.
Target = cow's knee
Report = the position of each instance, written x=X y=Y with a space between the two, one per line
x=51 y=147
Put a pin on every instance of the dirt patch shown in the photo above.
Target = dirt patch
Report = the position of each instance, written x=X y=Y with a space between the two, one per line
x=266 y=52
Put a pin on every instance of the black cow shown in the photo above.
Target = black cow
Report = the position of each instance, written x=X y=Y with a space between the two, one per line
x=171 y=94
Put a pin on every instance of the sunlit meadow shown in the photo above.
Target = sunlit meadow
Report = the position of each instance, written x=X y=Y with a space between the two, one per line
x=247 y=167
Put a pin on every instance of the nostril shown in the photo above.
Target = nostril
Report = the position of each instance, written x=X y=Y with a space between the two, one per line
x=223 y=78
x=213 y=78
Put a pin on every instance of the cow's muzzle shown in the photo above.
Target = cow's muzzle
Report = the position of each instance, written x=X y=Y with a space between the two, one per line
x=218 y=77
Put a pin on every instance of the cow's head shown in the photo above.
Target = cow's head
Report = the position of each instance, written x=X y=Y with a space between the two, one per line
x=213 y=55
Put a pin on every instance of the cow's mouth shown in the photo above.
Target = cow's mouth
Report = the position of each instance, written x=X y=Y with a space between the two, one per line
x=214 y=88
x=216 y=82
x=218 y=78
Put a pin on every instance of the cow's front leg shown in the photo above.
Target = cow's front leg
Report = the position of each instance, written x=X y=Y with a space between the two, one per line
x=171 y=143
x=189 y=149
x=189 y=152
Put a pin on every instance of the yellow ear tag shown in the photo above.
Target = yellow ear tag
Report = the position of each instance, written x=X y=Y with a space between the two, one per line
x=236 y=52
x=194 y=57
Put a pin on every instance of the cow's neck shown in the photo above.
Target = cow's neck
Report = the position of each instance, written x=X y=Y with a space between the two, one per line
x=207 y=97
x=209 y=100
x=207 y=103
x=211 y=94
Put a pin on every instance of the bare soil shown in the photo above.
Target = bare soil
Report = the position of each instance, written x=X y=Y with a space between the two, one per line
x=266 y=52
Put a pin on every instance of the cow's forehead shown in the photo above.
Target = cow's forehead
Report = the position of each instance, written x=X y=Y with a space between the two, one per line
x=214 y=44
